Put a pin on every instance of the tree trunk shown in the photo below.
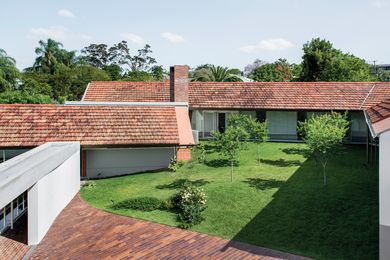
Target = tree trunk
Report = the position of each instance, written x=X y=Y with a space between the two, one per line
x=231 y=171
x=324 y=166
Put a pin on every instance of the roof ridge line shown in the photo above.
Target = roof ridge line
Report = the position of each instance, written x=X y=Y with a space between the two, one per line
x=368 y=94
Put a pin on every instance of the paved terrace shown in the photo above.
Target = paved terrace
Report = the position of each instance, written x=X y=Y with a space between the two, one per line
x=83 y=232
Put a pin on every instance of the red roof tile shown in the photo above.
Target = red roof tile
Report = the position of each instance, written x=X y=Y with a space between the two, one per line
x=121 y=91
x=379 y=116
x=253 y=95
x=31 y=125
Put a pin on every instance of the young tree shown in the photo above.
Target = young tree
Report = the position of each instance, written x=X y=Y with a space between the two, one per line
x=323 y=134
x=259 y=132
x=230 y=143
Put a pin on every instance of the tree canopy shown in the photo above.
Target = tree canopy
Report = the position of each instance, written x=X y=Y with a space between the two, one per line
x=213 y=73
x=322 y=62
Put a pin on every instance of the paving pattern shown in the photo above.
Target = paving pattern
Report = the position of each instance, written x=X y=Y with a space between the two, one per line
x=13 y=244
x=83 y=232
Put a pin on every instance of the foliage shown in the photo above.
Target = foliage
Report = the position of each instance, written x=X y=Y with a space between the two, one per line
x=323 y=134
x=190 y=201
x=138 y=76
x=140 y=203
x=201 y=148
x=278 y=71
x=114 y=71
x=322 y=62
x=51 y=55
x=88 y=184
x=21 y=97
x=9 y=74
x=251 y=67
x=213 y=73
x=175 y=164
x=230 y=143
x=259 y=132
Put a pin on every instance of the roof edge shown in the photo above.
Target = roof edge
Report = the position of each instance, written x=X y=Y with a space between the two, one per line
x=146 y=104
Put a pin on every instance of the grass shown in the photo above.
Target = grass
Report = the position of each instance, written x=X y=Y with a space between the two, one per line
x=280 y=204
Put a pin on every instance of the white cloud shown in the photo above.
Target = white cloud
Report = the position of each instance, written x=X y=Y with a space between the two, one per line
x=134 y=38
x=172 y=37
x=268 y=45
x=378 y=4
x=55 y=32
x=65 y=13
x=60 y=33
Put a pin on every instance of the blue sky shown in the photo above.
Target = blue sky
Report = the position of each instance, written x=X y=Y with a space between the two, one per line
x=224 y=32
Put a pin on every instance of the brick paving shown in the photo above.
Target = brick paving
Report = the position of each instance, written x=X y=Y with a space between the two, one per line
x=13 y=243
x=83 y=232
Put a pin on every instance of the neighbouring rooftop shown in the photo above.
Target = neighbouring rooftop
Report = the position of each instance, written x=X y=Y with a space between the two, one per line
x=32 y=125
x=249 y=95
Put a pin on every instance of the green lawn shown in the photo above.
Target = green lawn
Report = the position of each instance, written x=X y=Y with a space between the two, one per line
x=280 y=204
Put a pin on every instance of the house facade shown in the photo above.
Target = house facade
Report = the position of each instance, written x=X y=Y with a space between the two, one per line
x=116 y=139
x=282 y=104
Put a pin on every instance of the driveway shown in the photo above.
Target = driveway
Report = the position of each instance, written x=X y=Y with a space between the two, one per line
x=83 y=232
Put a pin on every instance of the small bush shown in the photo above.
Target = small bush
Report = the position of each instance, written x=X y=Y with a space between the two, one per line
x=175 y=164
x=201 y=152
x=88 y=184
x=141 y=203
x=190 y=202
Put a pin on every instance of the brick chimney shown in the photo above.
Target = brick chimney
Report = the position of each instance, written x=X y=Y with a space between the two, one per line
x=179 y=83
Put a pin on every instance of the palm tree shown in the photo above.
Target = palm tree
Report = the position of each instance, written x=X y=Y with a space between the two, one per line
x=9 y=74
x=215 y=74
x=48 y=54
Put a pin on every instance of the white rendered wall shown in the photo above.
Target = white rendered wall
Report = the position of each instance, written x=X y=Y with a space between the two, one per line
x=120 y=161
x=384 y=195
x=50 y=195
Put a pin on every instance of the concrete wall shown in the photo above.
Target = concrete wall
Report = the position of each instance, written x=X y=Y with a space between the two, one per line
x=384 y=195
x=50 y=195
x=120 y=161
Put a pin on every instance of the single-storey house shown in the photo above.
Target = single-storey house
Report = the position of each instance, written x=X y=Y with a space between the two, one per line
x=116 y=139
x=283 y=104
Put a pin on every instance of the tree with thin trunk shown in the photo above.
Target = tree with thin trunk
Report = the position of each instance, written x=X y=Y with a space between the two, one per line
x=230 y=143
x=259 y=132
x=323 y=134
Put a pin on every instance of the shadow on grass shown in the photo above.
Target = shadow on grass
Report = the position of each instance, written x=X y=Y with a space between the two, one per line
x=263 y=184
x=301 y=151
x=216 y=163
x=177 y=184
x=281 y=162
x=340 y=222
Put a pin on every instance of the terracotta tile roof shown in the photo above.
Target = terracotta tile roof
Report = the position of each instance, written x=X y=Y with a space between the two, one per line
x=32 y=125
x=379 y=117
x=252 y=95
x=121 y=91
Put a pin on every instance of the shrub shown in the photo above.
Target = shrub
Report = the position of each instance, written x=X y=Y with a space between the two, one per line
x=201 y=152
x=88 y=184
x=140 y=203
x=190 y=202
x=175 y=164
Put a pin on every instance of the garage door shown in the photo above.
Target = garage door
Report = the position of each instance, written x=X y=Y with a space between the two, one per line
x=282 y=125
x=120 y=161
